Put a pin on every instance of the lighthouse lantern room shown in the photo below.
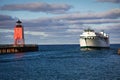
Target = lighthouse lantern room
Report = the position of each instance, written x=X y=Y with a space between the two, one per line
x=19 y=34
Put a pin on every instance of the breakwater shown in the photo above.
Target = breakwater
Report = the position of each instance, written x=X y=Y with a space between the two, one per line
x=18 y=48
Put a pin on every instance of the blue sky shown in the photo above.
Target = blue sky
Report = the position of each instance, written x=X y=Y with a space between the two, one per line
x=59 y=21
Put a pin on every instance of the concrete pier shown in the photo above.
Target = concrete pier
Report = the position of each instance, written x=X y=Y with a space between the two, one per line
x=18 y=48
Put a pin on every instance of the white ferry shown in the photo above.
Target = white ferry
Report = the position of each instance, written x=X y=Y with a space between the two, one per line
x=91 y=39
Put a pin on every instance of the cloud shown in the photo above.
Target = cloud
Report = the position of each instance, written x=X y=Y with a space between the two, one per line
x=63 y=22
x=37 y=7
x=43 y=22
x=112 y=1
x=6 y=21
x=111 y=14
x=6 y=31
x=35 y=33
x=98 y=21
x=66 y=20
x=111 y=28
x=5 y=17
x=74 y=30
x=6 y=36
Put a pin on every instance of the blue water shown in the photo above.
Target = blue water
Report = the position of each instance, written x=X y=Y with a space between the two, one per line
x=62 y=62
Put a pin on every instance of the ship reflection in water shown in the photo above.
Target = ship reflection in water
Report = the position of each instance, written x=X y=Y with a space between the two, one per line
x=87 y=49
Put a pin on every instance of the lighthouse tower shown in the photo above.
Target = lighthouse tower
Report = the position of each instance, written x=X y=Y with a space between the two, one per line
x=19 y=34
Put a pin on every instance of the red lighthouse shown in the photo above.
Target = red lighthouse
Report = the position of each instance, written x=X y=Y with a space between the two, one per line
x=19 y=34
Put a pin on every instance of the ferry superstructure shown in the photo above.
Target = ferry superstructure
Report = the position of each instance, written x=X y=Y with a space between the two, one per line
x=91 y=39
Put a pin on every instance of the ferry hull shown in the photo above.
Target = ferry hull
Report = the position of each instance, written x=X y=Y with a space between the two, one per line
x=94 y=43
